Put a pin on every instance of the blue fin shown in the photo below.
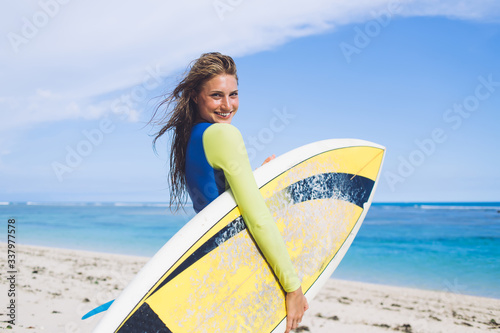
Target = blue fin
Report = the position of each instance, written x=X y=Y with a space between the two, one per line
x=99 y=309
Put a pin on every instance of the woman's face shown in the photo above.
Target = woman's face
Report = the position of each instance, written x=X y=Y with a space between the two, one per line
x=218 y=99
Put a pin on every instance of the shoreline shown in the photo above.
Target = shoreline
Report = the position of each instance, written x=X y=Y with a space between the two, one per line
x=56 y=287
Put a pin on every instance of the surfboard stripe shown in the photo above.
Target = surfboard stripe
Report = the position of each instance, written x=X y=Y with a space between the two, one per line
x=354 y=189
x=144 y=318
x=229 y=231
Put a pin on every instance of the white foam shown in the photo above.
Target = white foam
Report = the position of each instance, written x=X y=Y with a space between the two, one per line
x=452 y=207
x=127 y=204
x=66 y=204
x=157 y=205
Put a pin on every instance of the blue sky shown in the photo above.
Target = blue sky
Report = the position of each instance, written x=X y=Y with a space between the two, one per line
x=79 y=83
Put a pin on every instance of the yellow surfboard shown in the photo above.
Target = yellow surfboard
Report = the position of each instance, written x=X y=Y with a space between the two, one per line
x=211 y=277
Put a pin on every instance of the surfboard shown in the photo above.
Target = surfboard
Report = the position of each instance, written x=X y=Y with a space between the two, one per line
x=211 y=276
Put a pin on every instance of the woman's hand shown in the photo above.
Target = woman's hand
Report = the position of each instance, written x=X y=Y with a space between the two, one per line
x=296 y=305
x=270 y=158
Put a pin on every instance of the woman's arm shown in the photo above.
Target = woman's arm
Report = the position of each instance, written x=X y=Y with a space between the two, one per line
x=225 y=149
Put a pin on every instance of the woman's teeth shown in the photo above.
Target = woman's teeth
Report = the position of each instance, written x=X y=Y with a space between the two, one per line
x=223 y=114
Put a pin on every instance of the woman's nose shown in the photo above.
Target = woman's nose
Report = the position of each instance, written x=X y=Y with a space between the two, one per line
x=226 y=104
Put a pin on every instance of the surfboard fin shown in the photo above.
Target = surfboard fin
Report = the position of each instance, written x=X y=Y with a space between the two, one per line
x=99 y=309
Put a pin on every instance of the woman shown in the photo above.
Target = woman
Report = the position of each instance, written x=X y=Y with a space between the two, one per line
x=207 y=152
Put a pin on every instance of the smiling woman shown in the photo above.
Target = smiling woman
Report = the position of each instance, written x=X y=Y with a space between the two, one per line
x=208 y=156
x=206 y=94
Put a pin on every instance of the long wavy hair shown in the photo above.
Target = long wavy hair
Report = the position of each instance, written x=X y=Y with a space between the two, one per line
x=178 y=113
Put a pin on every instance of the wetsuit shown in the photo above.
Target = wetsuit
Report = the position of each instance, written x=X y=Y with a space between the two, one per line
x=216 y=155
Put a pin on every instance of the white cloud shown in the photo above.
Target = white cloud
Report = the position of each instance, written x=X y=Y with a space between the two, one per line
x=64 y=55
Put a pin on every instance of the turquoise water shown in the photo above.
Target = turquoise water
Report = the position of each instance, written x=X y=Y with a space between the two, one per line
x=449 y=247
x=441 y=246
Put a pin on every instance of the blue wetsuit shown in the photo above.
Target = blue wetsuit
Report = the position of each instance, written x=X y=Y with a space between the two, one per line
x=204 y=183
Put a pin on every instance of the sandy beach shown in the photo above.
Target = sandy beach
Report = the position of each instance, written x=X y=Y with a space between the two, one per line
x=55 y=287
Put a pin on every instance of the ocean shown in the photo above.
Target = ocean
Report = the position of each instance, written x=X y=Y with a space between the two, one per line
x=439 y=246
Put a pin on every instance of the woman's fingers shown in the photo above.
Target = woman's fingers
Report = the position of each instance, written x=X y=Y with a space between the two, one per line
x=270 y=158
x=296 y=305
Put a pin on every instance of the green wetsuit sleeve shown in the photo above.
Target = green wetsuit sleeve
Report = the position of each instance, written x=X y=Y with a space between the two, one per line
x=224 y=149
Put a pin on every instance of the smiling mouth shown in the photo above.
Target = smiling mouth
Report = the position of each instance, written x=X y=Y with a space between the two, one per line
x=223 y=114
